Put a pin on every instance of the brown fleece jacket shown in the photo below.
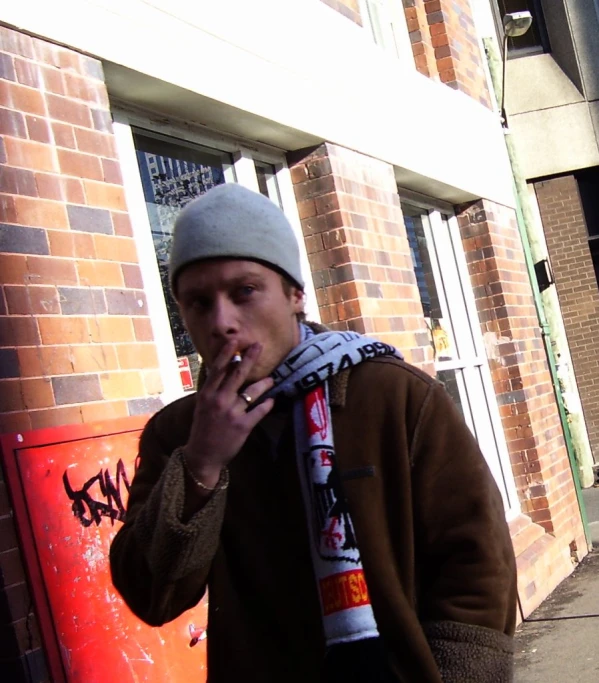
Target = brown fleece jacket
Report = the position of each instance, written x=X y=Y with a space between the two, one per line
x=428 y=517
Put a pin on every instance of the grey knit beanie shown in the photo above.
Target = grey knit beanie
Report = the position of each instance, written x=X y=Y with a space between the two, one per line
x=230 y=221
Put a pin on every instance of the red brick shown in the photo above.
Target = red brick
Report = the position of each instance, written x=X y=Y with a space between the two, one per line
x=63 y=109
x=122 y=224
x=137 y=356
x=64 y=330
x=53 y=82
x=112 y=329
x=15 y=422
x=21 y=98
x=105 y=196
x=49 y=186
x=79 y=165
x=41 y=213
x=8 y=212
x=48 y=270
x=64 y=135
x=56 y=417
x=28 y=73
x=11 y=396
x=18 y=181
x=44 y=361
x=93 y=142
x=100 y=273
x=73 y=190
x=37 y=393
x=106 y=410
x=31 y=300
x=111 y=170
x=111 y=248
x=121 y=385
x=143 y=329
x=93 y=358
x=29 y=154
x=38 y=129
x=12 y=123
x=19 y=331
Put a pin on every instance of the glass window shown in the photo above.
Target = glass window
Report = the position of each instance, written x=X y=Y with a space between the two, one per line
x=173 y=174
x=267 y=181
x=377 y=18
x=455 y=336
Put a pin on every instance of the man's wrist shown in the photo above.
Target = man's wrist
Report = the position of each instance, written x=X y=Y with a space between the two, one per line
x=207 y=478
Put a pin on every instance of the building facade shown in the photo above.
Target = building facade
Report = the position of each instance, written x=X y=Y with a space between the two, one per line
x=371 y=123
x=552 y=98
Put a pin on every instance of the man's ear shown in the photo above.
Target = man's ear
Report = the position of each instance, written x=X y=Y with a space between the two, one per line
x=298 y=300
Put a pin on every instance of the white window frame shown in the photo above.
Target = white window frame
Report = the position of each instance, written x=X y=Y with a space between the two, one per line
x=243 y=153
x=390 y=30
x=477 y=398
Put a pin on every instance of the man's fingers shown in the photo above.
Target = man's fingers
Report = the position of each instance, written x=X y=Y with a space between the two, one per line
x=237 y=374
x=220 y=366
x=259 y=412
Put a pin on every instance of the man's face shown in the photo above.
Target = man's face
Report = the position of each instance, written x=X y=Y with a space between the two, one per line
x=224 y=300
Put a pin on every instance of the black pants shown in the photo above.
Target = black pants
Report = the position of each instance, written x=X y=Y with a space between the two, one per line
x=365 y=661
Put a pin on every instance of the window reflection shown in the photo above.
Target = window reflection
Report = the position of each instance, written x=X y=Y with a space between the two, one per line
x=172 y=175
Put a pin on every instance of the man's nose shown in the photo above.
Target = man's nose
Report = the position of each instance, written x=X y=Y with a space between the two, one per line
x=224 y=318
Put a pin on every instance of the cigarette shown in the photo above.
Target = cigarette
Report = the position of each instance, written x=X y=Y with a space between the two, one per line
x=236 y=359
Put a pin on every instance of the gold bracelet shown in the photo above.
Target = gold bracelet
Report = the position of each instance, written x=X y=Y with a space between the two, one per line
x=223 y=480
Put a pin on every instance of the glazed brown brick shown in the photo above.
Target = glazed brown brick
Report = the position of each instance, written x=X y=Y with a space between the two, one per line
x=63 y=330
x=68 y=111
x=52 y=271
x=79 y=165
x=21 y=98
x=106 y=410
x=31 y=300
x=40 y=213
x=104 y=195
x=118 y=385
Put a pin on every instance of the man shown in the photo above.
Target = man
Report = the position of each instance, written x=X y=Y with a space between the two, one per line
x=328 y=494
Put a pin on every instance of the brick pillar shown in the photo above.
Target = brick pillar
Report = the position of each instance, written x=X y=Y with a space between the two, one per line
x=423 y=44
x=567 y=242
x=457 y=51
x=358 y=248
x=75 y=340
x=526 y=399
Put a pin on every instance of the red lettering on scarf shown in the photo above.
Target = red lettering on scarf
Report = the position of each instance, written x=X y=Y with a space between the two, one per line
x=343 y=591
x=317 y=413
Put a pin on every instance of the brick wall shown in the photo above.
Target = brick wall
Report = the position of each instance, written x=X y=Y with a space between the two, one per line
x=567 y=242
x=423 y=43
x=448 y=45
x=349 y=9
x=75 y=340
x=358 y=248
x=550 y=530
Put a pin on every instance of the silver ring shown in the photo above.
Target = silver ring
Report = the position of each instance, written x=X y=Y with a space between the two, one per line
x=248 y=399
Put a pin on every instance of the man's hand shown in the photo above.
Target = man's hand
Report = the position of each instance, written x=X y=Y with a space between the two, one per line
x=221 y=423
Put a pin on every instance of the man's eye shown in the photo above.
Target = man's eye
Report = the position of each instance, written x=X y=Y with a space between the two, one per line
x=246 y=290
x=200 y=304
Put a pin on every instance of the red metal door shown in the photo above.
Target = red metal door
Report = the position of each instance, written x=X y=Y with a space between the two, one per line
x=69 y=488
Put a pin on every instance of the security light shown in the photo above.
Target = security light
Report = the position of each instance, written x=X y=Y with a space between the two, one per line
x=516 y=24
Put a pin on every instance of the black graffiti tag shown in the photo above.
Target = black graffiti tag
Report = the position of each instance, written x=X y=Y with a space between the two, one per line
x=88 y=510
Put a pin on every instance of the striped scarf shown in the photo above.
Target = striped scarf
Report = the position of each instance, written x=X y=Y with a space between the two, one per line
x=346 y=611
